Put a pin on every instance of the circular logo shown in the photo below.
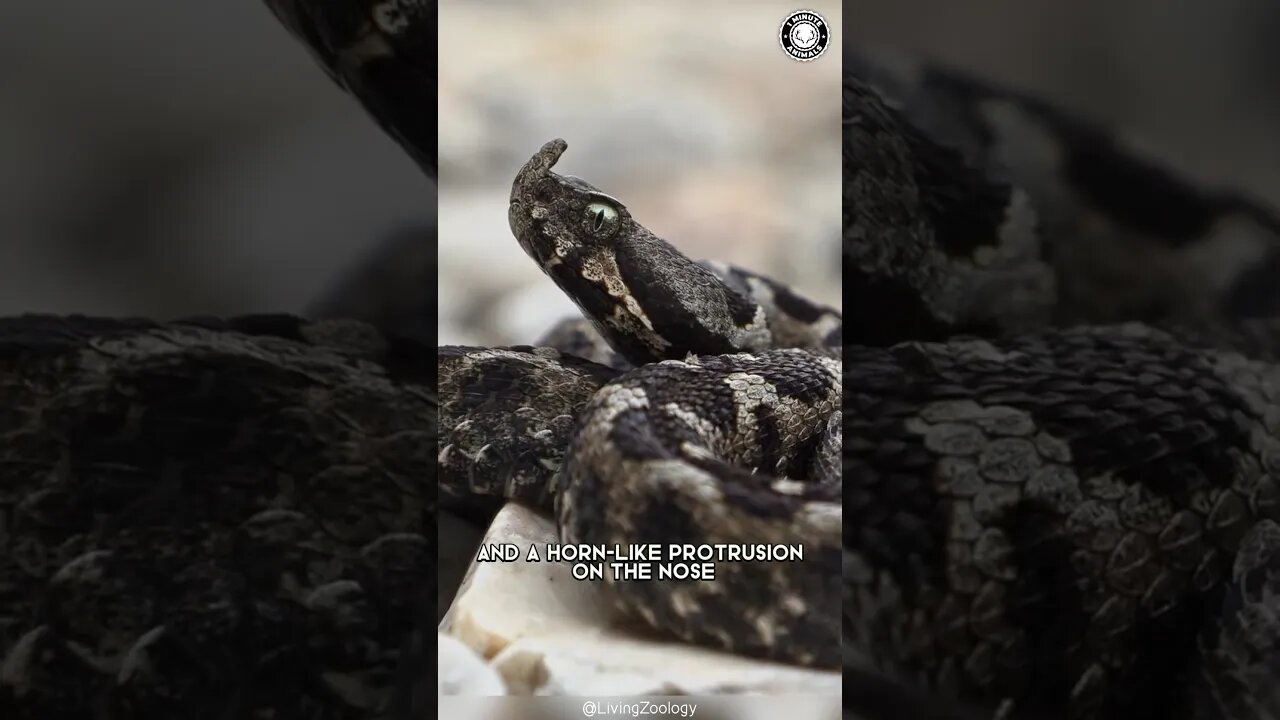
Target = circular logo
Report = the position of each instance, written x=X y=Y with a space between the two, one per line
x=804 y=35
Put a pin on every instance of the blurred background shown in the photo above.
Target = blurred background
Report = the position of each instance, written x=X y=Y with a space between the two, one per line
x=174 y=158
x=1193 y=82
x=691 y=114
x=168 y=158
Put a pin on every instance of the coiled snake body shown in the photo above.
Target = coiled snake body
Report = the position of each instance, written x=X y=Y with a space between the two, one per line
x=719 y=423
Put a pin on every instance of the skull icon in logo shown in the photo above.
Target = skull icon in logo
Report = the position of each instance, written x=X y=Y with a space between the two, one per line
x=804 y=35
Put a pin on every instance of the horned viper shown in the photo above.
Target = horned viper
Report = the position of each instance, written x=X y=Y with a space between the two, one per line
x=717 y=423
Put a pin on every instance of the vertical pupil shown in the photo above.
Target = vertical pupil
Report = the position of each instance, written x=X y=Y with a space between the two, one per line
x=599 y=220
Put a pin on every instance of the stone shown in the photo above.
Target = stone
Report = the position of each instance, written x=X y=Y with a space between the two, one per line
x=463 y=672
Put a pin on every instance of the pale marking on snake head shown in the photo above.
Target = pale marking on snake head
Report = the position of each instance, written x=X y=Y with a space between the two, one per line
x=621 y=317
x=602 y=269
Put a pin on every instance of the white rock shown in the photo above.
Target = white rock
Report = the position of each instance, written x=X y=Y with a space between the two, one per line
x=463 y=672
x=548 y=634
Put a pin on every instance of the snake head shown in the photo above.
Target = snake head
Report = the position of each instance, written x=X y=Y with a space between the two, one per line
x=647 y=299
x=558 y=217
x=582 y=238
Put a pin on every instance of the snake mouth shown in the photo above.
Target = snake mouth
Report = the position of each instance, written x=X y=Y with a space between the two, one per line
x=538 y=167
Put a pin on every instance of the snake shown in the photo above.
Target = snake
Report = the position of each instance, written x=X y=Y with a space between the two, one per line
x=1060 y=450
x=712 y=420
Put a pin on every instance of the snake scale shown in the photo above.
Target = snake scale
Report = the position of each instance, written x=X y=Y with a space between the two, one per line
x=1056 y=432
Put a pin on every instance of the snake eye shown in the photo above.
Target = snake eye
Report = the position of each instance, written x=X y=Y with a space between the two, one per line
x=602 y=219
